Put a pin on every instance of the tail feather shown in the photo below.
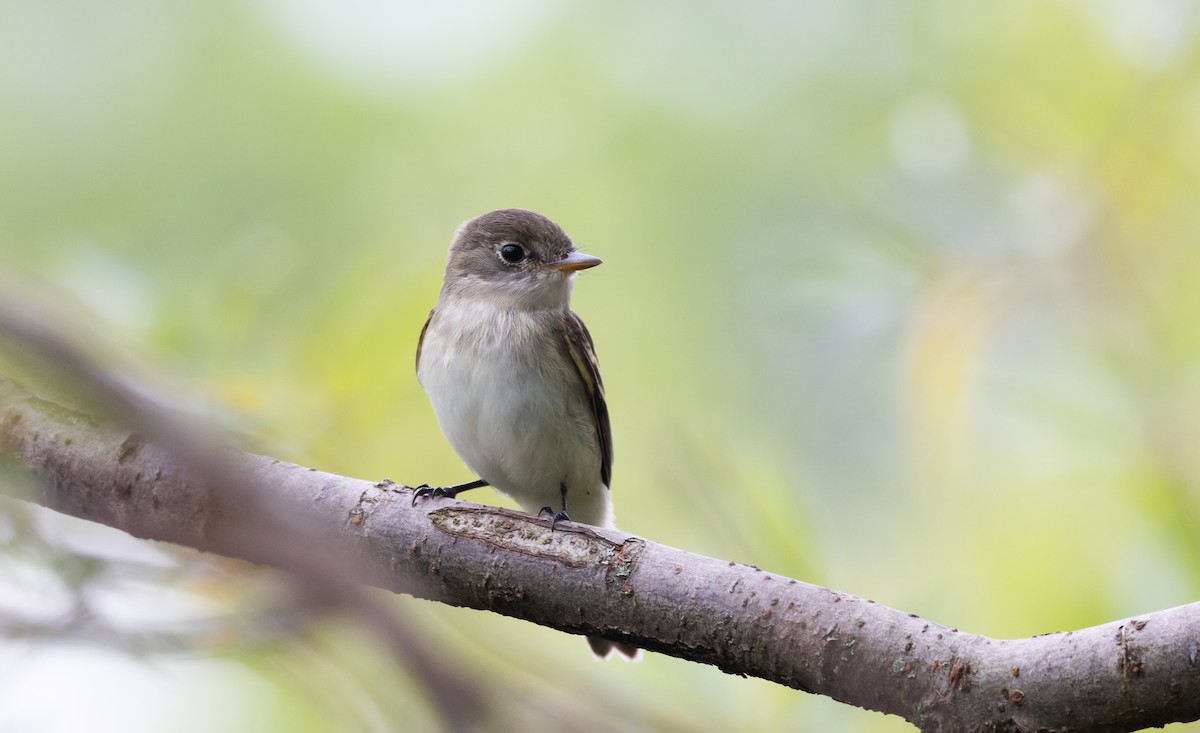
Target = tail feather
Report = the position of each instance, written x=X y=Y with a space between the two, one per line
x=603 y=649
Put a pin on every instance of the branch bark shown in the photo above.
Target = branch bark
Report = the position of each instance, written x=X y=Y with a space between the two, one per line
x=1125 y=675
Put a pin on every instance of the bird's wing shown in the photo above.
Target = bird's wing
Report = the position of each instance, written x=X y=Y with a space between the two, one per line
x=421 y=341
x=583 y=353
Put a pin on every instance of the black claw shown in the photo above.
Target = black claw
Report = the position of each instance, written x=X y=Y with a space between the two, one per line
x=555 y=517
x=448 y=492
x=427 y=490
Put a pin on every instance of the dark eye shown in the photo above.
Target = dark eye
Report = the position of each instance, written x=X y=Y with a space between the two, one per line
x=513 y=253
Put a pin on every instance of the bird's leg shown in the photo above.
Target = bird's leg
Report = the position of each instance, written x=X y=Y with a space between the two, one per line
x=555 y=517
x=447 y=491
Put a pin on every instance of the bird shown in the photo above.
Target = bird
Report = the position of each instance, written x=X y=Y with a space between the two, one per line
x=512 y=374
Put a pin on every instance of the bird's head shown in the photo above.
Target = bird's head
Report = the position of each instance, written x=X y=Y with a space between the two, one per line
x=515 y=259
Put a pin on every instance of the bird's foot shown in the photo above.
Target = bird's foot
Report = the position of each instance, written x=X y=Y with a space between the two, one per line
x=448 y=492
x=555 y=517
x=427 y=490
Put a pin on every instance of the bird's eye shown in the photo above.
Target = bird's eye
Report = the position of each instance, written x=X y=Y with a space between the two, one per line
x=512 y=253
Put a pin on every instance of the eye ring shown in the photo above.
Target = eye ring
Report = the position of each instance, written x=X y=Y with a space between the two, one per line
x=512 y=253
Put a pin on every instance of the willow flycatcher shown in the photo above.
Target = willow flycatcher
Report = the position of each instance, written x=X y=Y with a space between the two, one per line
x=512 y=373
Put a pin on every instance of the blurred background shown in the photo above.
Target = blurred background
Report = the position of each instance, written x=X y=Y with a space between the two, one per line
x=899 y=298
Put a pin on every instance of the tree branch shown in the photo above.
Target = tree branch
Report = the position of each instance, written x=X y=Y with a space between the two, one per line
x=233 y=511
x=1124 y=675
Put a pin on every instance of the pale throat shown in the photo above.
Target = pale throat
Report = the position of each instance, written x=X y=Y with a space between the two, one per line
x=550 y=291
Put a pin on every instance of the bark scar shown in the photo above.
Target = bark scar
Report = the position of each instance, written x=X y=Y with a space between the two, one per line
x=573 y=545
x=1130 y=658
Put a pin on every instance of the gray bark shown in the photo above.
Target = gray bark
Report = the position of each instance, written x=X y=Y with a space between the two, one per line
x=1124 y=675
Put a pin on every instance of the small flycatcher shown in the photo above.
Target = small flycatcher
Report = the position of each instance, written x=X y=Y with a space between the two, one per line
x=512 y=373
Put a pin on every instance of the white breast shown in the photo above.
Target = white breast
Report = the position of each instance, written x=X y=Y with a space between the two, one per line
x=509 y=400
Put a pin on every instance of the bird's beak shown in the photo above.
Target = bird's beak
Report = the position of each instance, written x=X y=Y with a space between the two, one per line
x=575 y=261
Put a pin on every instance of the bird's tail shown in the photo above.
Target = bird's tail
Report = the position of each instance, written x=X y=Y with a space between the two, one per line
x=603 y=649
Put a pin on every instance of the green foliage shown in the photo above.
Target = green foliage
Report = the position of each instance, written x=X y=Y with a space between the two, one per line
x=898 y=298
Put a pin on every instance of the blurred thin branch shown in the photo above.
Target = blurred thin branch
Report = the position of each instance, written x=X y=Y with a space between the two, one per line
x=185 y=488
x=236 y=518
x=83 y=627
